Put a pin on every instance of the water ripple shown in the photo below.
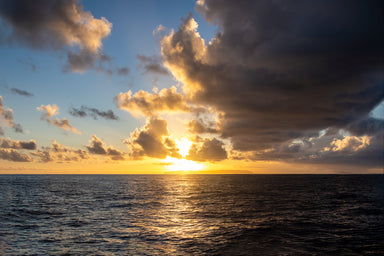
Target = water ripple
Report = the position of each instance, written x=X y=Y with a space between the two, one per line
x=191 y=215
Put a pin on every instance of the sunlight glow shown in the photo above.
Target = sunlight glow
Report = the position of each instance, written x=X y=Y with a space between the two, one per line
x=184 y=145
x=183 y=164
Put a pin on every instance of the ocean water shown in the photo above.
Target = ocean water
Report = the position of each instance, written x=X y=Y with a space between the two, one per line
x=191 y=214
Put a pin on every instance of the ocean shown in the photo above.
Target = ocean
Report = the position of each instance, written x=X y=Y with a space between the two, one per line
x=191 y=214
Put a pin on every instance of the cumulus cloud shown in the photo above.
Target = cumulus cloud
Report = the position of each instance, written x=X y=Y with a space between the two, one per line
x=97 y=147
x=9 y=150
x=48 y=111
x=11 y=154
x=209 y=150
x=152 y=64
x=16 y=144
x=6 y=116
x=152 y=140
x=349 y=144
x=60 y=153
x=149 y=104
x=159 y=29
x=95 y=113
x=58 y=25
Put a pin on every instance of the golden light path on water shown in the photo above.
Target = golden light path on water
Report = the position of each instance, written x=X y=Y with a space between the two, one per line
x=183 y=164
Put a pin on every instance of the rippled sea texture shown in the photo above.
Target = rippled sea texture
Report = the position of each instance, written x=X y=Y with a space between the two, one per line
x=191 y=214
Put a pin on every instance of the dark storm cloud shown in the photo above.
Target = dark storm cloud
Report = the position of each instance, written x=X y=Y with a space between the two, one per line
x=97 y=147
x=152 y=64
x=280 y=70
x=21 y=92
x=84 y=111
x=57 y=25
x=366 y=126
x=210 y=150
x=152 y=140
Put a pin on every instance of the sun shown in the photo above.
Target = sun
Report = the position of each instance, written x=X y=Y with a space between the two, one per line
x=183 y=164
x=183 y=145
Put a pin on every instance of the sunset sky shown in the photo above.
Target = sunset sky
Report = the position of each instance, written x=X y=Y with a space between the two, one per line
x=215 y=86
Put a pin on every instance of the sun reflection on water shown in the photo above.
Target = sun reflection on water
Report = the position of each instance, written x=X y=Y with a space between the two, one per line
x=178 y=221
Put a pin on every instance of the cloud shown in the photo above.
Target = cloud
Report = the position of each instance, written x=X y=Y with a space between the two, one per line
x=60 y=153
x=58 y=25
x=328 y=147
x=259 y=75
x=210 y=150
x=15 y=144
x=7 y=116
x=281 y=71
x=149 y=104
x=64 y=124
x=152 y=140
x=48 y=111
x=349 y=144
x=152 y=64
x=366 y=126
x=21 y=92
x=124 y=71
x=84 y=111
x=14 y=155
x=159 y=29
x=9 y=150
x=79 y=62
x=29 y=63
x=199 y=126
x=97 y=147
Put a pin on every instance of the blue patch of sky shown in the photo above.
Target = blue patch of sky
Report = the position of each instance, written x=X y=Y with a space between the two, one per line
x=133 y=24
x=378 y=111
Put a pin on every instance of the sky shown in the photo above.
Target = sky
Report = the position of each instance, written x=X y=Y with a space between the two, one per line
x=133 y=87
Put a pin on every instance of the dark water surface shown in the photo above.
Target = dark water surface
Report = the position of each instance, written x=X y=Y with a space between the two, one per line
x=191 y=214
